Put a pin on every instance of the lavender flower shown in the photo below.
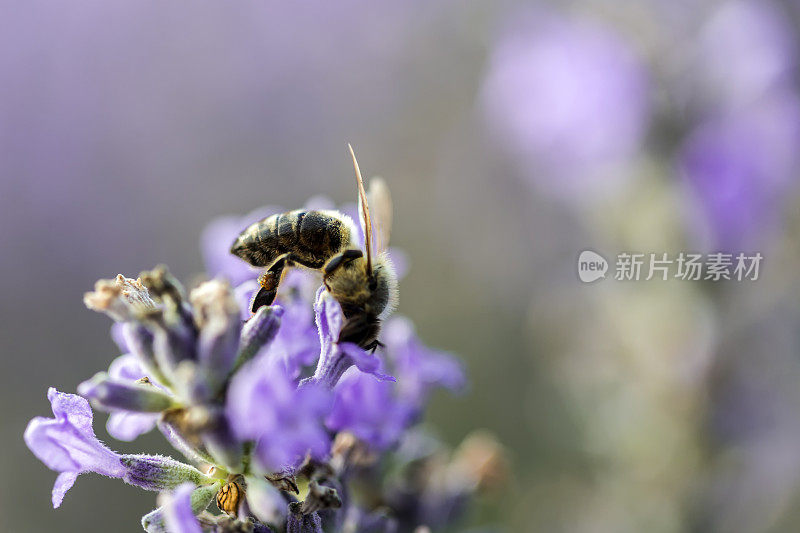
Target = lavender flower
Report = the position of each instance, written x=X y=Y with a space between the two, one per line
x=569 y=100
x=335 y=357
x=745 y=50
x=297 y=344
x=126 y=425
x=739 y=161
x=369 y=409
x=265 y=406
x=738 y=169
x=67 y=444
x=258 y=407
x=178 y=515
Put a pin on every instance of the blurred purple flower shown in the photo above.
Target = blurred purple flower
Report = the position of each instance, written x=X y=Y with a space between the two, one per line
x=369 y=409
x=177 y=509
x=569 y=100
x=741 y=160
x=362 y=521
x=746 y=49
x=336 y=357
x=739 y=168
x=418 y=368
x=264 y=404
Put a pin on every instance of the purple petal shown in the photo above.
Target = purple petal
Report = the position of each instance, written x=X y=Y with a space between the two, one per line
x=335 y=358
x=329 y=317
x=297 y=343
x=118 y=336
x=419 y=369
x=178 y=514
x=369 y=409
x=71 y=408
x=244 y=296
x=201 y=497
x=264 y=404
x=364 y=361
x=63 y=483
x=126 y=367
x=68 y=443
x=127 y=426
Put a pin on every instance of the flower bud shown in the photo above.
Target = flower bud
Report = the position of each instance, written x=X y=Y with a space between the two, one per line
x=221 y=443
x=258 y=331
x=173 y=340
x=157 y=472
x=108 y=394
x=123 y=299
x=140 y=343
x=217 y=318
x=302 y=523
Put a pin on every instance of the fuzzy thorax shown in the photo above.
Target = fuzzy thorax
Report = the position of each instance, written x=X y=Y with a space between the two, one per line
x=353 y=287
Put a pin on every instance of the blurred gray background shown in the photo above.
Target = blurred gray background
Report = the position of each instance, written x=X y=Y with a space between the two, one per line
x=513 y=136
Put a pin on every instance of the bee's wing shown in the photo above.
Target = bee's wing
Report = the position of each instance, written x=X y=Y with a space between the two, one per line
x=380 y=202
x=363 y=212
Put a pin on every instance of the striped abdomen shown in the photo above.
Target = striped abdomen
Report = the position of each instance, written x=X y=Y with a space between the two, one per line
x=312 y=237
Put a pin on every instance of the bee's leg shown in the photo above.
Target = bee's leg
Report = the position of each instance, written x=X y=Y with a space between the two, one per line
x=269 y=281
x=261 y=298
x=374 y=345
x=338 y=261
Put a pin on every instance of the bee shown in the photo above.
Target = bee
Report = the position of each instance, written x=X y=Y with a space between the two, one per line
x=362 y=281
x=229 y=497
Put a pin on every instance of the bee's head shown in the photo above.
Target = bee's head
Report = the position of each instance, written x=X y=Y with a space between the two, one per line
x=353 y=286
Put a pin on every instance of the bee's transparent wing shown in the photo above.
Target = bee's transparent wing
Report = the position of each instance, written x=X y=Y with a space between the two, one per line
x=363 y=212
x=380 y=206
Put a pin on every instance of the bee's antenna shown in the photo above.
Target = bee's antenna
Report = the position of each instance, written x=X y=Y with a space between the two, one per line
x=362 y=202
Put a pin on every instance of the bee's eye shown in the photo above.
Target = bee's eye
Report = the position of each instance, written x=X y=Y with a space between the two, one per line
x=373 y=283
